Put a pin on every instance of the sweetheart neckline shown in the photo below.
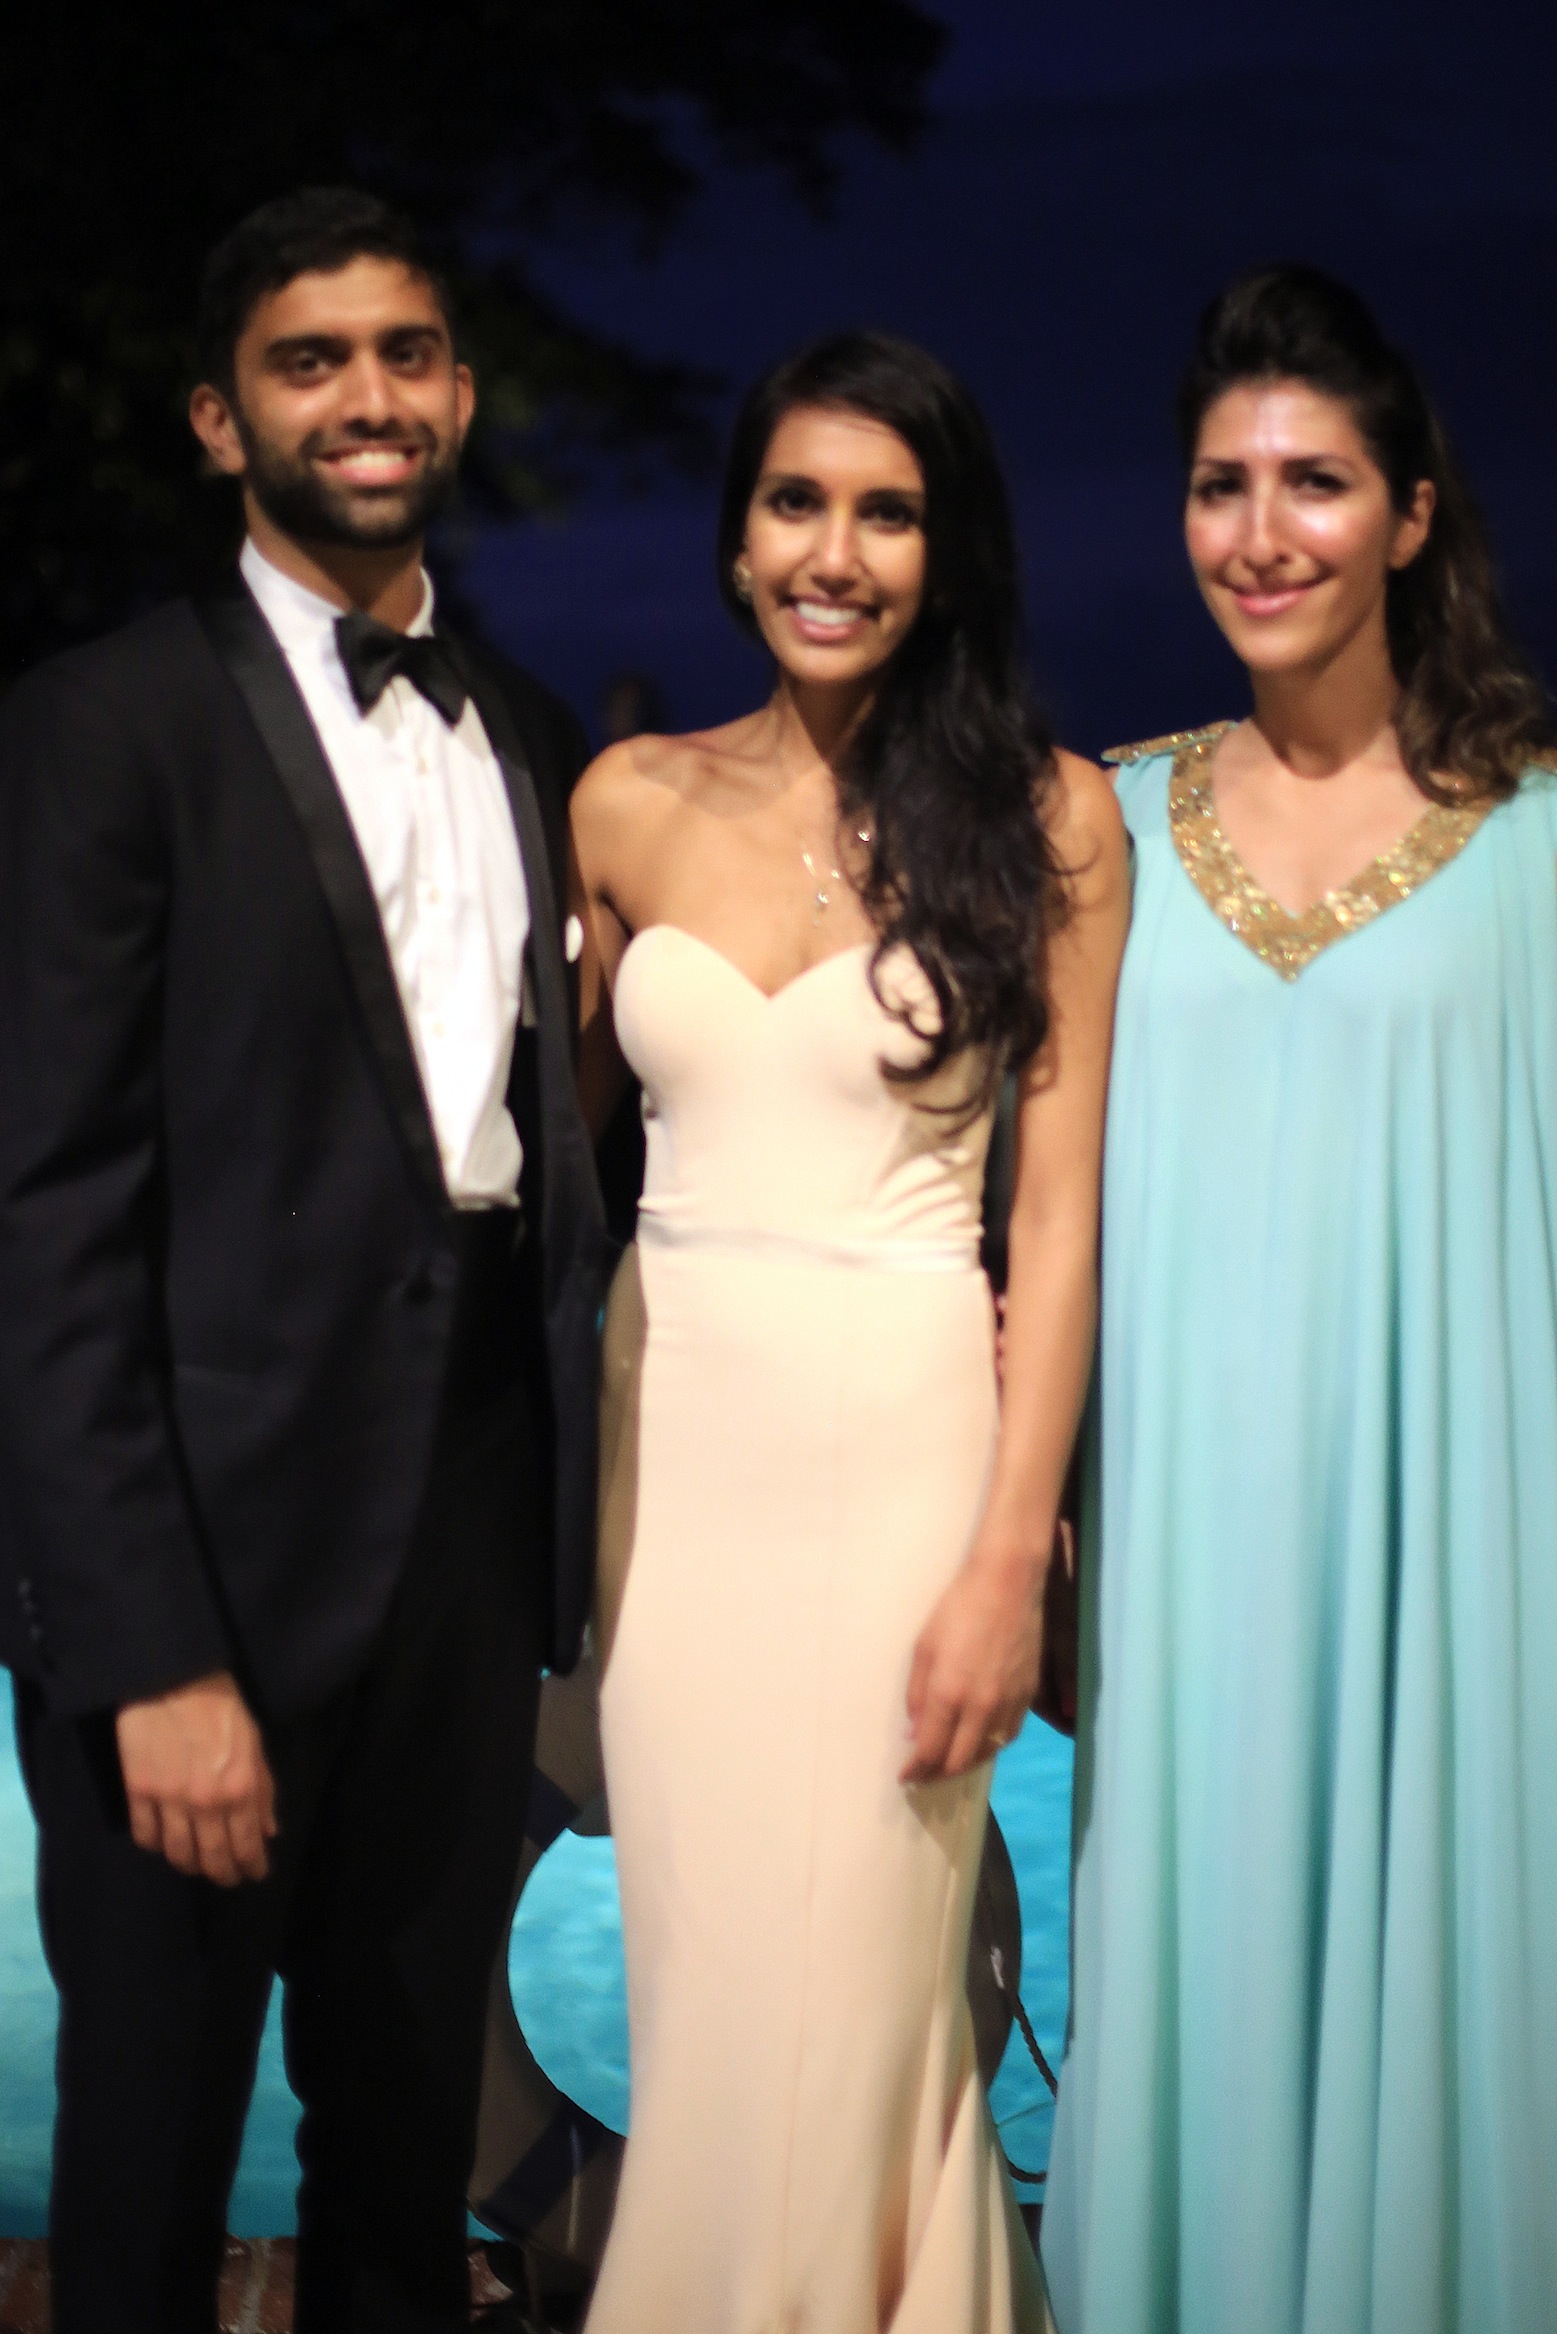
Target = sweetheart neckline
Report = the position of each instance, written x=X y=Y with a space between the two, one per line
x=767 y=996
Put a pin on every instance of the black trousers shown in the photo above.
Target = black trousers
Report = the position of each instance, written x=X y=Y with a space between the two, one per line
x=402 y=1806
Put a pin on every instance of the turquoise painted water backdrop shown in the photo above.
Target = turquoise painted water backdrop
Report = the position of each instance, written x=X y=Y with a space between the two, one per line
x=565 y=1967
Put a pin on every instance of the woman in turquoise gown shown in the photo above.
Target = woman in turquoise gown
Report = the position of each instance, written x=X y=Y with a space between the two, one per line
x=1311 y=2084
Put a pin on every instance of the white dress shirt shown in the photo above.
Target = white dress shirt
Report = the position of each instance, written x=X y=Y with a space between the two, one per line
x=431 y=817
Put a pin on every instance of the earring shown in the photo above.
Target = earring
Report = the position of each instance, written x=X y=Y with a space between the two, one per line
x=740 y=577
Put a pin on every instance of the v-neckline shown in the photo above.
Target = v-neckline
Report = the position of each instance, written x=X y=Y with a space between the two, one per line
x=1285 y=942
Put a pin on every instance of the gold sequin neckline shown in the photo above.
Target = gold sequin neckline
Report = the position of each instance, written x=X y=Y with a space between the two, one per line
x=1286 y=942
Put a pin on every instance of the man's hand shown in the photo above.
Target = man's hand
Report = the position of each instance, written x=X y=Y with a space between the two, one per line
x=197 y=1781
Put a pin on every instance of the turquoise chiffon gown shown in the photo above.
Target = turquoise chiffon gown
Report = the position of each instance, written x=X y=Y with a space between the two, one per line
x=1311 y=2084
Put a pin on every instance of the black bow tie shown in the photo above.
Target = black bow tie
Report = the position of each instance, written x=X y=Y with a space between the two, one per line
x=372 y=655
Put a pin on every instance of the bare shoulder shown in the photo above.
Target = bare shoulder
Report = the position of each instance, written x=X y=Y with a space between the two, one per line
x=625 y=786
x=652 y=768
x=1085 y=825
x=622 y=771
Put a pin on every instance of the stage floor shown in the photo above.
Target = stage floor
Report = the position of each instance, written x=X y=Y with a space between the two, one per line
x=256 y=2289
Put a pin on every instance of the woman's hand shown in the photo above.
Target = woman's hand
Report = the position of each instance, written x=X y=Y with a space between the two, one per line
x=975 y=1668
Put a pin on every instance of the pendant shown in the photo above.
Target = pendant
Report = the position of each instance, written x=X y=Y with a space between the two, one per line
x=820 y=893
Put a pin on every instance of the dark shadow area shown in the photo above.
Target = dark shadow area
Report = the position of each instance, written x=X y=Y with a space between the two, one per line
x=1055 y=247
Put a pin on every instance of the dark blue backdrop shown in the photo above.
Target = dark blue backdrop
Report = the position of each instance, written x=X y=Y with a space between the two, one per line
x=1091 y=178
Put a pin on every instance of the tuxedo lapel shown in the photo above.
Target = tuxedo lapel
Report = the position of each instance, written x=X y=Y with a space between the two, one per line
x=567 y=1159
x=253 y=657
x=573 y=1236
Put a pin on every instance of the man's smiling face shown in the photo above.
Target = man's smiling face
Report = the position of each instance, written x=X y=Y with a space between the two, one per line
x=348 y=409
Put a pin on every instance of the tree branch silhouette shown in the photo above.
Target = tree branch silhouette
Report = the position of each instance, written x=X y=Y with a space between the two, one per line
x=135 y=136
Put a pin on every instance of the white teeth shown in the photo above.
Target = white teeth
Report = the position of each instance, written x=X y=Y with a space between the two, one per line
x=390 y=458
x=824 y=612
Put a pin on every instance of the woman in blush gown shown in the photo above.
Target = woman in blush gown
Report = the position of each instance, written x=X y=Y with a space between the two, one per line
x=827 y=929
x=1312 y=2081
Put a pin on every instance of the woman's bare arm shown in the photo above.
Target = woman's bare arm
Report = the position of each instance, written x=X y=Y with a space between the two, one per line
x=599 y=818
x=977 y=1662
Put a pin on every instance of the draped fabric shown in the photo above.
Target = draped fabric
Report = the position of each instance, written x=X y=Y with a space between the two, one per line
x=1311 y=2086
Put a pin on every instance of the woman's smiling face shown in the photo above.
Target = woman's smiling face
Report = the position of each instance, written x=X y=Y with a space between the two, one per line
x=835 y=545
x=1291 y=527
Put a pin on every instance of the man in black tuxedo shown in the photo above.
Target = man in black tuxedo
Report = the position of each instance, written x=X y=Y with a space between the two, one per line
x=300 y=1273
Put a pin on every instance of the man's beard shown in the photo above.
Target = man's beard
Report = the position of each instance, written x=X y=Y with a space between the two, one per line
x=308 y=508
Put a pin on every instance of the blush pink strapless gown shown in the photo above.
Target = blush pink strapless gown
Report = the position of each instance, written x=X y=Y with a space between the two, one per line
x=799 y=1420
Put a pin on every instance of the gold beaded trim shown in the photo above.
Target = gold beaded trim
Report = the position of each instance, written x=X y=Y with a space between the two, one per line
x=1287 y=943
x=1165 y=745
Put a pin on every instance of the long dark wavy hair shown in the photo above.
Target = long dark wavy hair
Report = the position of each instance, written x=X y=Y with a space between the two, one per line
x=1471 y=708
x=951 y=763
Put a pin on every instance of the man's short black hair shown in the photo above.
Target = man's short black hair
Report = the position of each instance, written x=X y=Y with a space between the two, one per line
x=319 y=228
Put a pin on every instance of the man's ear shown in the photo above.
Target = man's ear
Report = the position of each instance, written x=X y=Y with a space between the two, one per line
x=212 y=419
x=464 y=398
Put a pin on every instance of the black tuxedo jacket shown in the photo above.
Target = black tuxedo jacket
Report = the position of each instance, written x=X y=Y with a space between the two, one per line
x=227 y=1255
